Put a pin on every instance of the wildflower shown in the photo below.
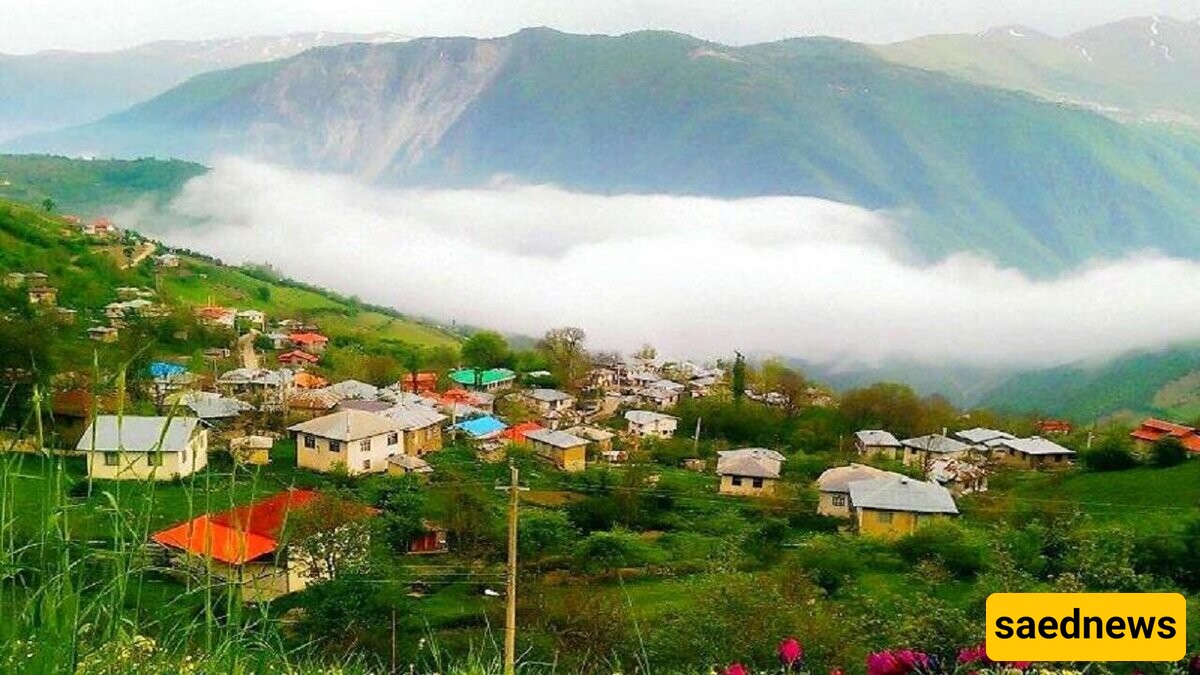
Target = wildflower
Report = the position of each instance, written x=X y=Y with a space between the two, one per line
x=790 y=651
x=736 y=669
x=896 y=662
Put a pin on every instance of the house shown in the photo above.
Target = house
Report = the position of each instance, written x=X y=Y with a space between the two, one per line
x=650 y=424
x=309 y=381
x=432 y=540
x=210 y=407
x=166 y=260
x=1152 y=430
x=599 y=439
x=132 y=447
x=255 y=450
x=298 y=359
x=1033 y=453
x=550 y=403
x=268 y=389
x=279 y=340
x=482 y=428
x=921 y=450
x=46 y=296
x=418 y=383
x=313 y=343
x=251 y=318
x=661 y=396
x=100 y=227
x=252 y=545
x=217 y=316
x=421 y=426
x=893 y=506
x=981 y=437
x=833 y=485
x=103 y=334
x=516 y=433
x=313 y=402
x=484 y=380
x=1053 y=427
x=749 y=472
x=356 y=390
x=366 y=406
x=351 y=440
x=401 y=465
x=878 y=443
x=567 y=452
x=959 y=476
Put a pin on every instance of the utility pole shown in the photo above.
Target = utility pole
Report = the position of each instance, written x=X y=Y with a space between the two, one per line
x=510 y=621
x=696 y=440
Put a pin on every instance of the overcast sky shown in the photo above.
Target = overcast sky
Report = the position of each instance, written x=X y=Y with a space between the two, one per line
x=33 y=25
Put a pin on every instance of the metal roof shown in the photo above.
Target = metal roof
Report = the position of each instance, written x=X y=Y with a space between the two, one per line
x=936 y=443
x=559 y=439
x=839 y=478
x=347 y=425
x=133 y=433
x=1035 y=445
x=876 y=437
x=899 y=493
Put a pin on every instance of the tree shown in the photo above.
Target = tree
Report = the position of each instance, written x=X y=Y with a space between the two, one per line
x=1112 y=453
x=331 y=535
x=563 y=348
x=738 y=377
x=485 y=349
x=48 y=204
x=1168 y=451
x=647 y=352
x=776 y=376
x=402 y=510
x=263 y=293
x=885 y=405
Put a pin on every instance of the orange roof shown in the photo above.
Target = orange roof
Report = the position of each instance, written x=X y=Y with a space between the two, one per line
x=297 y=355
x=309 y=381
x=451 y=396
x=307 y=338
x=516 y=433
x=241 y=534
x=1152 y=430
x=213 y=312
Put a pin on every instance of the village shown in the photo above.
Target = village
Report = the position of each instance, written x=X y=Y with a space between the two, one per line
x=253 y=460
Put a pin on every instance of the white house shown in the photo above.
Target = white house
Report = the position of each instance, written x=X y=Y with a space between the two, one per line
x=351 y=440
x=650 y=424
x=131 y=447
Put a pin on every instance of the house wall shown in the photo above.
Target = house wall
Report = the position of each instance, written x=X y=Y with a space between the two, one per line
x=655 y=429
x=136 y=465
x=729 y=486
x=423 y=440
x=888 y=524
x=1021 y=460
x=570 y=460
x=835 y=504
x=350 y=455
x=884 y=451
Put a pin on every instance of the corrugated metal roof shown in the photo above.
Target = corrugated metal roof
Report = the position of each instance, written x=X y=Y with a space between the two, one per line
x=898 y=493
x=839 y=477
x=559 y=439
x=347 y=425
x=936 y=443
x=877 y=437
x=133 y=433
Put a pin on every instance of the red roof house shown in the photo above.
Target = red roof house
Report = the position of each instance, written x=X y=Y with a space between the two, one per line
x=297 y=357
x=1051 y=427
x=421 y=383
x=516 y=433
x=1153 y=430
x=309 y=342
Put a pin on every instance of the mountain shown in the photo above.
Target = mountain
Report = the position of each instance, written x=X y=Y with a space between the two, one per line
x=1132 y=70
x=1164 y=383
x=54 y=89
x=92 y=187
x=964 y=167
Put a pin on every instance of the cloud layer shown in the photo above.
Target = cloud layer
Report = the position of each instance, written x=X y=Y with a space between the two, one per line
x=697 y=277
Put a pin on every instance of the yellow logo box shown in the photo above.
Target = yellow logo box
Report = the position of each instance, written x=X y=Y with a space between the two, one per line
x=1086 y=627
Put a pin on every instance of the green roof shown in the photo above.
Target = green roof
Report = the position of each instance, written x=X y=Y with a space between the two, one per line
x=466 y=376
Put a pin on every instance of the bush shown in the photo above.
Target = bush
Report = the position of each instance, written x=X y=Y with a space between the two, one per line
x=828 y=562
x=1110 y=454
x=1168 y=451
x=608 y=551
x=946 y=543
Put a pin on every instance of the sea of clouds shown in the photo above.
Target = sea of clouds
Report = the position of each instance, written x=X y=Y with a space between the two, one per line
x=698 y=277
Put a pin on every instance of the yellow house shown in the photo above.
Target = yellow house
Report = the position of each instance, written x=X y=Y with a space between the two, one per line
x=1032 y=453
x=749 y=472
x=923 y=450
x=254 y=450
x=402 y=465
x=421 y=426
x=569 y=453
x=834 y=490
x=895 y=505
x=354 y=441
x=132 y=447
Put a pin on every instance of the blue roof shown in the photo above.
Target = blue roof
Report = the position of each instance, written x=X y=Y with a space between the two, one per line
x=482 y=426
x=162 y=369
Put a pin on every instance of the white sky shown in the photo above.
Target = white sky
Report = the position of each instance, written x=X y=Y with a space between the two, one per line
x=99 y=25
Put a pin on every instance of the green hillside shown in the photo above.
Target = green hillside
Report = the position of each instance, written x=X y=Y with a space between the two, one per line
x=1038 y=185
x=91 y=188
x=1165 y=383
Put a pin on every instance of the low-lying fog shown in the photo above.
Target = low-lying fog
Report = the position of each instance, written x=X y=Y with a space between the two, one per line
x=698 y=277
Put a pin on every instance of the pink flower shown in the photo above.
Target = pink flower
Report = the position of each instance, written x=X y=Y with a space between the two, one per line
x=836 y=671
x=978 y=655
x=896 y=662
x=736 y=669
x=790 y=651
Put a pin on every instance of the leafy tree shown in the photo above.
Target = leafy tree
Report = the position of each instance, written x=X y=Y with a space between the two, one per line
x=1168 y=451
x=1113 y=452
x=563 y=348
x=608 y=551
x=402 y=512
x=544 y=533
x=776 y=376
x=332 y=534
x=48 y=204
x=885 y=405
x=263 y=293
x=486 y=349
x=828 y=562
x=738 y=376
x=947 y=544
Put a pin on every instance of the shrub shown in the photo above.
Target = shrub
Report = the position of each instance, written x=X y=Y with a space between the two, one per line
x=946 y=543
x=1168 y=451
x=828 y=562
x=1112 y=453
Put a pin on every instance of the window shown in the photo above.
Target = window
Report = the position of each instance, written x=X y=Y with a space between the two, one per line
x=310 y=441
x=365 y=446
x=736 y=480
x=393 y=438
x=112 y=458
x=154 y=459
x=758 y=482
x=366 y=465
x=885 y=517
x=335 y=446
x=839 y=500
